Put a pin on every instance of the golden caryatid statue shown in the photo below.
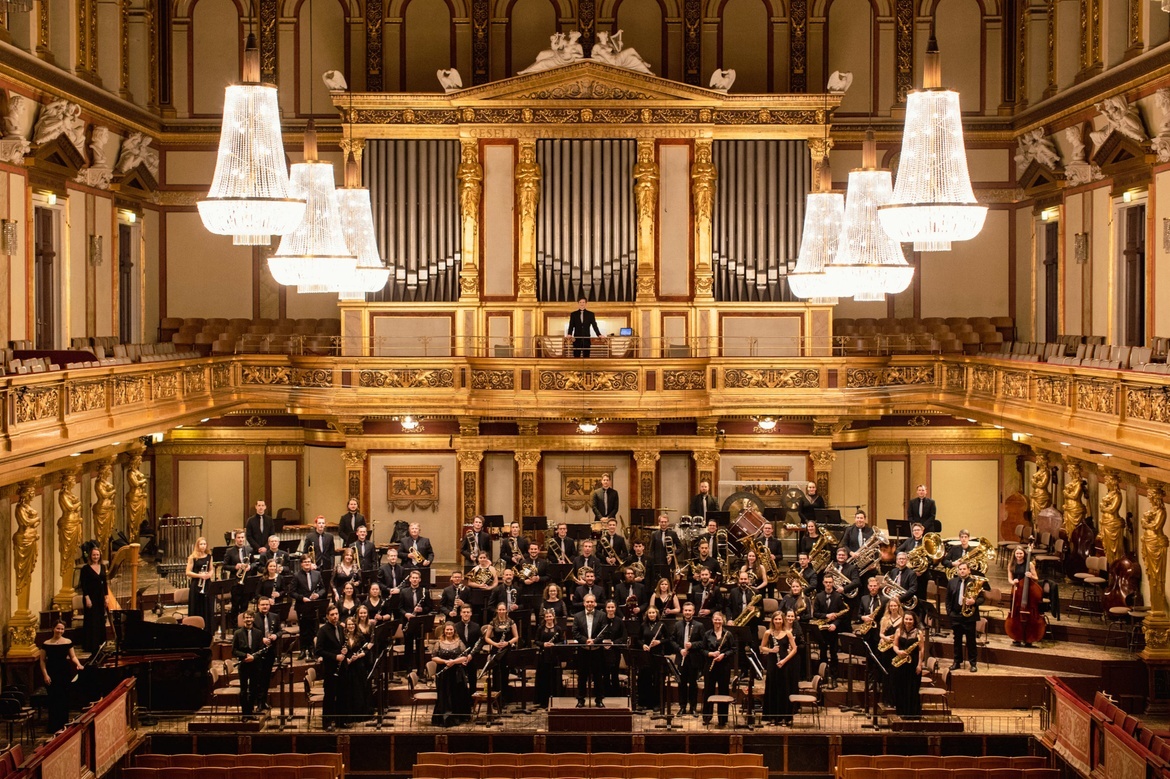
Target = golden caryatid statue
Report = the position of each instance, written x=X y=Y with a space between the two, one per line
x=104 y=507
x=136 y=494
x=1154 y=546
x=25 y=542
x=527 y=177
x=1041 y=484
x=1074 y=497
x=470 y=177
x=1110 y=522
x=646 y=183
x=68 y=536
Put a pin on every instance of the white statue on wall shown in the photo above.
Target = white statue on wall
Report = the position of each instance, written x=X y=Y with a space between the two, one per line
x=450 y=80
x=98 y=173
x=563 y=50
x=840 y=82
x=1033 y=145
x=1162 y=141
x=13 y=146
x=721 y=80
x=334 y=81
x=1078 y=170
x=609 y=50
x=1121 y=117
x=136 y=150
x=60 y=117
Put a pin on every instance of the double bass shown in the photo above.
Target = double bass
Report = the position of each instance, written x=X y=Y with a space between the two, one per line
x=1025 y=623
x=1125 y=577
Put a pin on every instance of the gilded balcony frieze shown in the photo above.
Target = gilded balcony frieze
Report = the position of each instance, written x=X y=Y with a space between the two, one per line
x=1099 y=397
x=684 y=380
x=86 y=396
x=955 y=377
x=1052 y=390
x=129 y=390
x=36 y=403
x=983 y=380
x=589 y=381
x=266 y=375
x=1151 y=404
x=165 y=386
x=408 y=378
x=771 y=378
x=221 y=376
x=1014 y=385
x=493 y=380
x=194 y=380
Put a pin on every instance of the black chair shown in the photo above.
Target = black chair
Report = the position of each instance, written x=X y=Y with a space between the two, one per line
x=13 y=712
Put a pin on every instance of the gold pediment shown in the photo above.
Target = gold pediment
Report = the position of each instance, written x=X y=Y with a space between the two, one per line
x=57 y=156
x=586 y=80
x=1119 y=153
x=1038 y=178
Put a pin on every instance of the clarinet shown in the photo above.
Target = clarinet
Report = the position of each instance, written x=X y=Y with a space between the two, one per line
x=465 y=653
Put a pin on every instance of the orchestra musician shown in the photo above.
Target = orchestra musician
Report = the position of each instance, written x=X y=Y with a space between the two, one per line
x=808 y=572
x=347 y=602
x=415 y=551
x=771 y=543
x=581 y=322
x=380 y=609
x=829 y=605
x=664 y=600
x=688 y=641
x=466 y=628
x=799 y=602
x=739 y=597
x=392 y=575
x=483 y=570
x=757 y=574
x=589 y=587
x=849 y=570
x=199 y=603
x=1019 y=567
x=475 y=541
x=617 y=543
x=536 y=581
x=810 y=502
x=906 y=678
x=706 y=596
x=915 y=539
x=808 y=539
x=604 y=500
x=272 y=552
x=553 y=600
x=709 y=537
x=891 y=620
x=259 y=526
x=658 y=543
x=269 y=626
x=93 y=582
x=615 y=637
x=506 y=592
x=868 y=607
x=923 y=509
x=639 y=557
x=501 y=634
x=308 y=586
x=271 y=583
x=705 y=561
x=856 y=536
x=564 y=548
x=453 y=597
x=237 y=561
x=704 y=501
x=346 y=571
x=357 y=695
x=587 y=627
x=415 y=603
x=631 y=593
x=954 y=552
x=720 y=646
x=246 y=642
x=350 y=521
x=453 y=704
x=323 y=546
x=904 y=576
x=548 y=670
x=962 y=592
x=330 y=650
x=586 y=559
x=778 y=653
x=513 y=546
x=364 y=551
x=655 y=634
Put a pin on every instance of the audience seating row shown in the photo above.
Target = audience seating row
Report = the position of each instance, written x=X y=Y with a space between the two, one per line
x=951 y=773
x=11 y=759
x=590 y=758
x=228 y=336
x=1105 y=356
x=1145 y=736
x=948 y=762
x=246 y=772
x=422 y=771
x=330 y=760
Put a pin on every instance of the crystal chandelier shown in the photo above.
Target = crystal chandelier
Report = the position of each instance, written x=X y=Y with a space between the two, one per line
x=250 y=197
x=868 y=260
x=823 y=215
x=933 y=201
x=357 y=225
x=314 y=255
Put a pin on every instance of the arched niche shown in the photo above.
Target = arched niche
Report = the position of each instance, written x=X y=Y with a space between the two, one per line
x=216 y=46
x=322 y=43
x=428 y=44
x=745 y=33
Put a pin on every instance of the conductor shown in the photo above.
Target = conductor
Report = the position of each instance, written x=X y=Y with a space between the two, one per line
x=580 y=321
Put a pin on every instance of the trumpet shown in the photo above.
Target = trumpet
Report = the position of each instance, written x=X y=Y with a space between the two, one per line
x=751 y=610
x=243 y=572
x=976 y=557
x=975 y=585
x=821 y=552
x=926 y=554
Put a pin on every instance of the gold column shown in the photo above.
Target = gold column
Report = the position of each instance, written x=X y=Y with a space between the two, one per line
x=469 y=483
x=105 y=505
x=703 y=175
x=822 y=460
x=707 y=463
x=1153 y=545
x=646 y=177
x=1050 y=29
x=68 y=536
x=470 y=175
x=124 y=49
x=647 y=470
x=355 y=474
x=44 y=51
x=22 y=626
x=818 y=149
x=527 y=195
x=526 y=462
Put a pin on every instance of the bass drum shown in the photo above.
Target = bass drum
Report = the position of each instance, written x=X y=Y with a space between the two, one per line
x=746 y=507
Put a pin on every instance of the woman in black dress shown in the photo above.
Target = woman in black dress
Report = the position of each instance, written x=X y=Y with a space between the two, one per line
x=501 y=635
x=1021 y=567
x=654 y=637
x=94 y=587
x=665 y=600
x=778 y=654
x=887 y=628
x=453 y=706
x=906 y=667
x=553 y=601
x=358 y=662
x=59 y=664
x=270 y=584
x=613 y=639
x=347 y=605
x=346 y=571
x=548 y=671
x=198 y=573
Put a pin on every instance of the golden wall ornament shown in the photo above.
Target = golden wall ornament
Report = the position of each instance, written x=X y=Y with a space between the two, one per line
x=36 y=403
x=1097 y=396
x=221 y=376
x=470 y=177
x=527 y=177
x=703 y=183
x=862 y=377
x=903 y=48
x=105 y=505
x=412 y=487
x=647 y=427
x=684 y=380
x=353 y=458
x=493 y=380
x=407 y=378
x=1073 y=507
x=771 y=378
x=902 y=375
x=1014 y=385
x=589 y=381
x=68 y=536
x=1154 y=545
x=87 y=396
x=194 y=380
x=527 y=460
x=646 y=177
x=823 y=459
x=1151 y=404
x=578 y=483
x=1041 y=483
x=1052 y=391
x=311 y=377
x=1110 y=522
x=25 y=542
x=468 y=427
x=646 y=459
x=706 y=463
x=983 y=380
x=266 y=375
x=164 y=386
x=956 y=377
x=136 y=485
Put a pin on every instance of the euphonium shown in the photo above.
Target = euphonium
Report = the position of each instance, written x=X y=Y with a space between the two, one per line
x=751 y=610
x=926 y=554
x=526 y=571
x=975 y=585
x=839 y=579
x=870 y=553
x=890 y=590
x=976 y=557
x=794 y=575
x=822 y=550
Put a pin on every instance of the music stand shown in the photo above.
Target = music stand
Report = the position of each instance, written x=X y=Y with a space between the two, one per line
x=216 y=589
x=827 y=516
x=488 y=667
x=415 y=629
x=722 y=518
x=667 y=715
x=898 y=528
x=380 y=668
x=753 y=669
x=522 y=659
x=642 y=517
x=874 y=681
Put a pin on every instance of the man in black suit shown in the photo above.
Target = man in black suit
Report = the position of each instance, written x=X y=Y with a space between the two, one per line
x=246 y=642
x=415 y=604
x=587 y=559
x=475 y=541
x=867 y=613
x=350 y=521
x=364 y=552
x=955 y=552
x=704 y=501
x=237 y=560
x=392 y=575
x=604 y=500
x=810 y=503
x=308 y=586
x=466 y=628
x=705 y=595
x=564 y=549
x=587 y=626
x=506 y=592
x=616 y=542
x=856 y=536
x=589 y=588
x=259 y=526
x=739 y=597
x=658 y=544
x=829 y=605
x=323 y=547
x=273 y=552
x=632 y=607
x=269 y=626
x=964 y=591
x=415 y=550
x=849 y=570
x=580 y=322
x=688 y=641
x=905 y=577
x=538 y=568
x=453 y=597
x=922 y=509
x=330 y=650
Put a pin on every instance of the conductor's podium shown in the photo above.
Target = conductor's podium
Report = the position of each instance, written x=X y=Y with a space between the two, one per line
x=565 y=717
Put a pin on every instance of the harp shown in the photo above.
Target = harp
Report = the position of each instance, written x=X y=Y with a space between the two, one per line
x=123 y=579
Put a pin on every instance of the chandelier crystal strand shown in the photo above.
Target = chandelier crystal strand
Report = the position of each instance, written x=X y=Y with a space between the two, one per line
x=933 y=203
x=357 y=225
x=868 y=260
x=314 y=255
x=824 y=214
x=250 y=197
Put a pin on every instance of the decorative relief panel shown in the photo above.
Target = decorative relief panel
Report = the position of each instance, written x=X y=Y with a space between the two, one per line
x=1098 y=397
x=129 y=390
x=33 y=403
x=769 y=378
x=862 y=377
x=164 y=386
x=1149 y=403
x=221 y=376
x=908 y=374
x=412 y=487
x=983 y=380
x=684 y=380
x=493 y=380
x=1014 y=385
x=194 y=380
x=578 y=483
x=408 y=378
x=312 y=377
x=89 y=396
x=956 y=377
x=590 y=381
x=1053 y=391
x=269 y=375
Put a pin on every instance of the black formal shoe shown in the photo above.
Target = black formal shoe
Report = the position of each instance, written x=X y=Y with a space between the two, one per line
x=580 y=704
x=706 y=721
x=1017 y=643
x=601 y=704
x=974 y=668
x=330 y=728
x=1029 y=645
x=956 y=666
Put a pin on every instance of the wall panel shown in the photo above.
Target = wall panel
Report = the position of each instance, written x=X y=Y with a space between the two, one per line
x=213 y=281
x=967 y=494
x=440 y=525
x=674 y=220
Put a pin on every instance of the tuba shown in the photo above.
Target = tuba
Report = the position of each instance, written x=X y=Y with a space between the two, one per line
x=977 y=583
x=764 y=556
x=822 y=551
x=751 y=610
x=840 y=579
x=976 y=557
x=926 y=554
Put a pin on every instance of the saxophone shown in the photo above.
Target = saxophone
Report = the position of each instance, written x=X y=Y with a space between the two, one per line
x=900 y=660
x=751 y=610
x=865 y=627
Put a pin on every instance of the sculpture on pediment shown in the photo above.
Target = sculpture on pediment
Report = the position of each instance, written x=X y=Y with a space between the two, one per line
x=1121 y=117
x=840 y=82
x=14 y=117
x=98 y=173
x=334 y=81
x=449 y=79
x=1161 y=143
x=1078 y=170
x=60 y=117
x=563 y=50
x=610 y=51
x=1075 y=136
x=721 y=80
x=1033 y=145
x=136 y=150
